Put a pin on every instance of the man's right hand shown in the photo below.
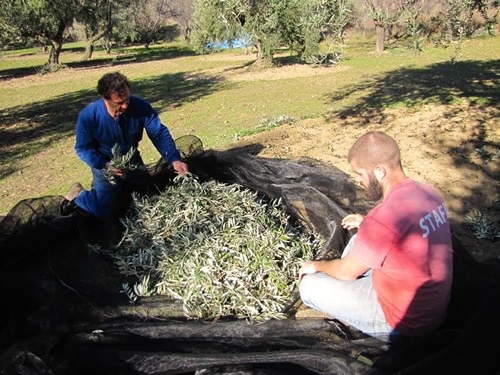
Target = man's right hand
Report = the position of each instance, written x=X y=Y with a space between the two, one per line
x=116 y=171
x=180 y=167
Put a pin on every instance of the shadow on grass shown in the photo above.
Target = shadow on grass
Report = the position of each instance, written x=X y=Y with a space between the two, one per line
x=26 y=130
x=472 y=86
x=6 y=74
x=135 y=55
x=443 y=83
x=287 y=60
x=125 y=56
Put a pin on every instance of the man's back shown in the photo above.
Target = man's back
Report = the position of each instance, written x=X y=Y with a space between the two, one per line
x=406 y=240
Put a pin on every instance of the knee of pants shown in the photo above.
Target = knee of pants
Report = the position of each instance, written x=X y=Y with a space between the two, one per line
x=307 y=288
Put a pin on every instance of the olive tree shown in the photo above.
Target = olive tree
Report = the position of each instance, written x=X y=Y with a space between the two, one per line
x=40 y=20
x=182 y=12
x=460 y=15
x=148 y=18
x=99 y=18
x=10 y=25
x=385 y=14
x=455 y=17
x=297 y=24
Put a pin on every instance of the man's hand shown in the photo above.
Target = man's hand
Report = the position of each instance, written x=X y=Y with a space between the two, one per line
x=115 y=171
x=180 y=167
x=307 y=267
x=352 y=221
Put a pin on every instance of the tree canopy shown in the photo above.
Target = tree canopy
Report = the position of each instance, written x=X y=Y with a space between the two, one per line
x=451 y=19
x=99 y=18
x=269 y=25
x=301 y=26
x=41 y=20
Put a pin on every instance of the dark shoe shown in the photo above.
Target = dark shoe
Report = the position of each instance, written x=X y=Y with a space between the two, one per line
x=73 y=192
x=67 y=207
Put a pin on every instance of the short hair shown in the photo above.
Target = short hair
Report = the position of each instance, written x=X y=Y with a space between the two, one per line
x=375 y=148
x=114 y=82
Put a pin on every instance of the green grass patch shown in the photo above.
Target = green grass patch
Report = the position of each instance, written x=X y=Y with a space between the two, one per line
x=267 y=124
x=198 y=95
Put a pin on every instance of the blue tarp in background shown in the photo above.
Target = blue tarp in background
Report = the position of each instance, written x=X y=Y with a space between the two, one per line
x=242 y=42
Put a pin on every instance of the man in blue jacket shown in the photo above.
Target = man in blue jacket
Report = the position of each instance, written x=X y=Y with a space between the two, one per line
x=117 y=118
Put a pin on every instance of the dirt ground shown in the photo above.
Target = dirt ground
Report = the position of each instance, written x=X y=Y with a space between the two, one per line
x=438 y=146
x=455 y=148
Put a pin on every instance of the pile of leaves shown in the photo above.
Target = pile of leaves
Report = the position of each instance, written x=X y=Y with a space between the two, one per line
x=221 y=249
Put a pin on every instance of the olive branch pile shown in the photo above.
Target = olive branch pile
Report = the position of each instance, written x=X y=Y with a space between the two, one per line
x=220 y=249
x=122 y=162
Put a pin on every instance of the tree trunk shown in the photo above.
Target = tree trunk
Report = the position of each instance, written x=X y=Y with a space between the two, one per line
x=264 y=58
x=259 y=55
x=55 y=52
x=107 y=46
x=57 y=43
x=380 y=29
x=187 y=35
x=89 y=44
x=89 y=49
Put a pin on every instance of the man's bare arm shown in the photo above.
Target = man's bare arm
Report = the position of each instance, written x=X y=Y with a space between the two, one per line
x=347 y=268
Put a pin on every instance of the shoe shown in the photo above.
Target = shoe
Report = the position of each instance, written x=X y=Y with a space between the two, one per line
x=74 y=191
x=308 y=313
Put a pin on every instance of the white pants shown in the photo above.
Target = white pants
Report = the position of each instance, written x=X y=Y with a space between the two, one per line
x=352 y=302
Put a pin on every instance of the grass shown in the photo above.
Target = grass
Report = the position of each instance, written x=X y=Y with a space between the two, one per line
x=267 y=124
x=194 y=95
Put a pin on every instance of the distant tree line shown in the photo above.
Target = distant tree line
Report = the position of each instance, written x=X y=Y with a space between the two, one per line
x=48 y=22
x=302 y=26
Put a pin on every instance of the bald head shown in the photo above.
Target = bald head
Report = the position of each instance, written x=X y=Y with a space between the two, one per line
x=375 y=148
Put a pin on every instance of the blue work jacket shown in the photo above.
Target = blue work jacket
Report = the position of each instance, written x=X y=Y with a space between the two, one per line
x=97 y=132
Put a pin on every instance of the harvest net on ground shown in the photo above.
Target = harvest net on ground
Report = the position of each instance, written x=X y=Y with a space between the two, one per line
x=64 y=310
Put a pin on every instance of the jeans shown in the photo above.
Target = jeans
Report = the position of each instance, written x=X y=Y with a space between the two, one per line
x=353 y=302
x=104 y=199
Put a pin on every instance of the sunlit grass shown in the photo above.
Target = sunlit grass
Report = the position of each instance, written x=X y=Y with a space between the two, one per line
x=195 y=95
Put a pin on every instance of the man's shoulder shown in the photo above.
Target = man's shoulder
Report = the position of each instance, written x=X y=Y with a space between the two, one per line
x=140 y=107
x=411 y=199
x=92 y=112
x=93 y=107
x=417 y=187
x=139 y=102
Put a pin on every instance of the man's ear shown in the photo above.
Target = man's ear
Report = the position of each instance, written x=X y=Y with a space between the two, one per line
x=379 y=172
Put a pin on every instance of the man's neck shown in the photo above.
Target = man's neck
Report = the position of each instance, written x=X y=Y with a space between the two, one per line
x=392 y=179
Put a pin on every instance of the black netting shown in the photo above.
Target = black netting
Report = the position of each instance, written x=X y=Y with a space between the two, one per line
x=62 y=311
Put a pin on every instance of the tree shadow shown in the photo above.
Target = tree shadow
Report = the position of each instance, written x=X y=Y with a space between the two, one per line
x=287 y=60
x=127 y=56
x=469 y=92
x=6 y=74
x=441 y=83
x=135 y=55
x=25 y=130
